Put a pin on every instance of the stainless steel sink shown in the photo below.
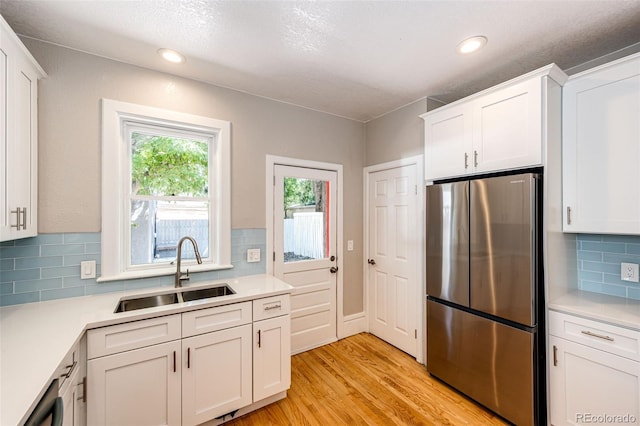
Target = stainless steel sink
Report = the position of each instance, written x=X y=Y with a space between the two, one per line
x=126 y=305
x=142 y=302
x=205 y=293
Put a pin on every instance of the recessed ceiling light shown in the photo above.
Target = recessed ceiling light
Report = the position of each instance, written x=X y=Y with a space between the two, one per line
x=171 y=56
x=471 y=44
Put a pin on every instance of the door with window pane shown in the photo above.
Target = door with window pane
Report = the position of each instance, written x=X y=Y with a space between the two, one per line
x=305 y=251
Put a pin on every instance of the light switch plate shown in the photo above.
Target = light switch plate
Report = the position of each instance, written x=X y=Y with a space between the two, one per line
x=253 y=255
x=350 y=245
x=87 y=269
x=629 y=272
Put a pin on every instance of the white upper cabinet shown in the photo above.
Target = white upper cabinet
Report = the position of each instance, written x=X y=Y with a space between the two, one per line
x=19 y=74
x=601 y=149
x=501 y=128
x=448 y=142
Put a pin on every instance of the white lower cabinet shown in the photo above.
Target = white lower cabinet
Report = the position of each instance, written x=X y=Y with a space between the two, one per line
x=69 y=395
x=189 y=374
x=271 y=356
x=590 y=383
x=216 y=374
x=72 y=389
x=136 y=388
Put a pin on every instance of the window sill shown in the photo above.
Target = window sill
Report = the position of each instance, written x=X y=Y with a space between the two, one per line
x=150 y=273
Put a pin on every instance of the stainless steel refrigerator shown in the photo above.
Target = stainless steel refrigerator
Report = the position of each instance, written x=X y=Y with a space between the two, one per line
x=485 y=301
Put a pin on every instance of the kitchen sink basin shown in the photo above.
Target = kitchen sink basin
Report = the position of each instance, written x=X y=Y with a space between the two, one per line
x=205 y=293
x=127 y=305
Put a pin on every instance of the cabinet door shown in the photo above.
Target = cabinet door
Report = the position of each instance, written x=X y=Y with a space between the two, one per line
x=71 y=405
x=216 y=374
x=5 y=217
x=586 y=382
x=271 y=357
x=447 y=135
x=135 y=388
x=20 y=162
x=601 y=150
x=507 y=128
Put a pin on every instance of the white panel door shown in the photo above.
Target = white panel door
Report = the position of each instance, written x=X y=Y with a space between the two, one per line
x=305 y=251
x=216 y=374
x=393 y=249
x=135 y=388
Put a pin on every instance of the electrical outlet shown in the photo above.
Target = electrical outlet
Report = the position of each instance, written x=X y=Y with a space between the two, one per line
x=253 y=255
x=629 y=272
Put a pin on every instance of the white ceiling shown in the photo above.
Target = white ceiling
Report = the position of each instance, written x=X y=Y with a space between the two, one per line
x=357 y=59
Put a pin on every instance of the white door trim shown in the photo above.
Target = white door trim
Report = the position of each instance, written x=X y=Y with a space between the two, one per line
x=272 y=161
x=418 y=160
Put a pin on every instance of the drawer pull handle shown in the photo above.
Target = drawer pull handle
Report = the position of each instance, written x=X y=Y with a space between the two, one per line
x=599 y=336
x=174 y=361
x=475 y=158
x=555 y=356
x=83 y=398
x=70 y=370
x=188 y=357
x=268 y=308
x=466 y=161
x=568 y=215
x=18 y=213
x=259 y=338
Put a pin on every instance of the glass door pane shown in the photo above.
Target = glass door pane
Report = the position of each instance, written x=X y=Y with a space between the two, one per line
x=306 y=220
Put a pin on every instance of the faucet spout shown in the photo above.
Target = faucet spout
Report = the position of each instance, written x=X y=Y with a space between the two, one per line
x=184 y=277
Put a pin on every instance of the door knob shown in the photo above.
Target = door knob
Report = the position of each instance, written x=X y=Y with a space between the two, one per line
x=334 y=269
x=371 y=262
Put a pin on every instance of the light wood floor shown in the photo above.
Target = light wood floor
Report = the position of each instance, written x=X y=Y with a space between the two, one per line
x=362 y=380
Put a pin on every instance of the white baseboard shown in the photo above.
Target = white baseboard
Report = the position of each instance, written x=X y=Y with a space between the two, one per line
x=353 y=324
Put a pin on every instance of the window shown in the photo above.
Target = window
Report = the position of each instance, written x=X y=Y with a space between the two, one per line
x=165 y=175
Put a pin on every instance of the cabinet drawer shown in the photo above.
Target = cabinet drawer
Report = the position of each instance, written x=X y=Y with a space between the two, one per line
x=133 y=335
x=213 y=319
x=610 y=338
x=270 y=307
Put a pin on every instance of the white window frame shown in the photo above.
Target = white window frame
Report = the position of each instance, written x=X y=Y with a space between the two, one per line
x=116 y=184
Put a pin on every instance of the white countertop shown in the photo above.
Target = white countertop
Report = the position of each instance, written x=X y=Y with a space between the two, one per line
x=35 y=337
x=600 y=307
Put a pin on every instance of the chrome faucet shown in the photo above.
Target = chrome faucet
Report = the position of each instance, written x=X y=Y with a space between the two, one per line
x=184 y=277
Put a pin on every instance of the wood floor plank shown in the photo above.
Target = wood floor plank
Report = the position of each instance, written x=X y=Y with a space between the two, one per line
x=362 y=380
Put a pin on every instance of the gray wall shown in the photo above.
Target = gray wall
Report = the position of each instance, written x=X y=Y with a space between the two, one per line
x=70 y=143
x=398 y=134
